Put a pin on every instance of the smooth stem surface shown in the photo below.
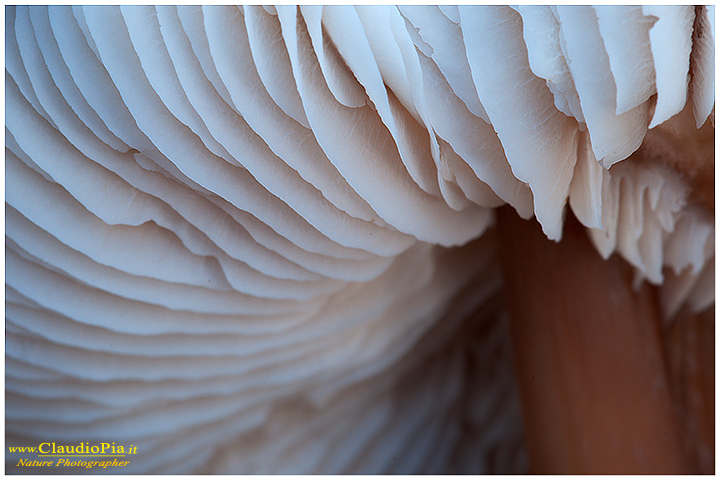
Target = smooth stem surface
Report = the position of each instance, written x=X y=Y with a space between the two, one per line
x=589 y=357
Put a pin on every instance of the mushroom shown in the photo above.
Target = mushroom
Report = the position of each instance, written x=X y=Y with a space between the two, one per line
x=268 y=239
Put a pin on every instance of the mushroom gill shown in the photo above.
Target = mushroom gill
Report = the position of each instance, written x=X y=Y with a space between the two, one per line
x=296 y=239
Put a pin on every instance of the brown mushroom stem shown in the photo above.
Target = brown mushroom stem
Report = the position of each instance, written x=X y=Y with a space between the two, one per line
x=592 y=375
x=690 y=347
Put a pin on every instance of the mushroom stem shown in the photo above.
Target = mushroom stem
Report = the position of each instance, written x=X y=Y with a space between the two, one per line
x=589 y=359
x=690 y=347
